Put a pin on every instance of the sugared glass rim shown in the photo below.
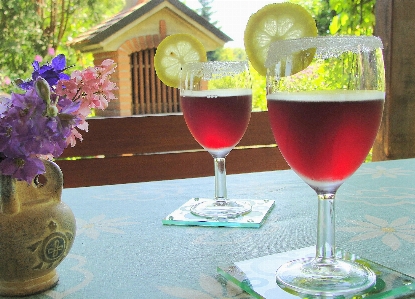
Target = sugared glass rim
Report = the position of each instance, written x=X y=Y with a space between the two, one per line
x=326 y=46
x=209 y=69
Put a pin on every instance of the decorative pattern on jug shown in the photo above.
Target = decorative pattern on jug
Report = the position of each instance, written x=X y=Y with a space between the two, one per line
x=53 y=248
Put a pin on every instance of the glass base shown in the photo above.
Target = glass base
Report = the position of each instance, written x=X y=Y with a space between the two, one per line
x=254 y=219
x=226 y=209
x=325 y=278
x=257 y=277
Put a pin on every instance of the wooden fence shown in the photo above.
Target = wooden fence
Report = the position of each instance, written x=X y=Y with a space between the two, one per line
x=160 y=147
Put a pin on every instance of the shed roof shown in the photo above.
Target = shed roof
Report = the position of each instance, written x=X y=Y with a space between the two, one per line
x=103 y=36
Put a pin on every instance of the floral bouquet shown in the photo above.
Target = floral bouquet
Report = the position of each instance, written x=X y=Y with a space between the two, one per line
x=44 y=119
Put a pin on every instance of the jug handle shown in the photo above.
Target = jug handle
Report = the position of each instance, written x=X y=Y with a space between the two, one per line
x=54 y=181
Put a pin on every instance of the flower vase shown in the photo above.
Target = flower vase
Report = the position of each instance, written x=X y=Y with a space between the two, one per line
x=37 y=231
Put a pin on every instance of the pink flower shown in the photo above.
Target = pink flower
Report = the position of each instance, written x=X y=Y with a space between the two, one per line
x=92 y=88
x=71 y=140
x=7 y=80
x=51 y=51
x=38 y=58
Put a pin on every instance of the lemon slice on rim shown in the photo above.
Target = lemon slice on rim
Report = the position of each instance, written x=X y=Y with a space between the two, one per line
x=274 y=22
x=174 y=51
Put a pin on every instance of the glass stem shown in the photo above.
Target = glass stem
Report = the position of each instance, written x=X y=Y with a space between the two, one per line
x=220 y=181
x=326 y=247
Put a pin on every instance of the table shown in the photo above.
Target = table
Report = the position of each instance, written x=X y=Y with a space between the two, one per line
x=122 y=249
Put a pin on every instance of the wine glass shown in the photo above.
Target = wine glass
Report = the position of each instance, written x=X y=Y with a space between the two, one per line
x=216 y=100
x=325 y=100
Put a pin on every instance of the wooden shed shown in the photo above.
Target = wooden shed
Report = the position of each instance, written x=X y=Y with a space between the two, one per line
x=131 y=38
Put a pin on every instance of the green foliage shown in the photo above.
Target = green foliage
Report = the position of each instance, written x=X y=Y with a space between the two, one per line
x=369 y=156
x=259 y=101
x=258 y=81
x=355 y=17
x=89 y=14
x=20 y=36
x=303 y=80
x=30 y=27
x=321 y=12
x=324 y=75
x=226 y=82
x=345 y=72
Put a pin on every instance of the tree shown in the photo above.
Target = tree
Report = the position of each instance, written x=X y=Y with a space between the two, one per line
x=324 y=17
x=20 y=35
x=54 y=18
x=355 y=17
x=29 y=27
x=205 y=12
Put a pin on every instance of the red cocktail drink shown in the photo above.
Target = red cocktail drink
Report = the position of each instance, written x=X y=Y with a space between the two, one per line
x=325 y=135
x=217 y=119
x=216 y=100
x=325 y=120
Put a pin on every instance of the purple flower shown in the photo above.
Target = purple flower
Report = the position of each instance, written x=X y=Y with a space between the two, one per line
x=4 y=105
x=23 y=168
x=43 y=121
x=26 y=131
x=52 y=72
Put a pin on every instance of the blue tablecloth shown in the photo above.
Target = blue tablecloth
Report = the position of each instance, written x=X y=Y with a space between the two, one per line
x=122 y=249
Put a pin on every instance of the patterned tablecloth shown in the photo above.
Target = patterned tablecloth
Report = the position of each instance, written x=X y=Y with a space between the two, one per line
x=122 y=249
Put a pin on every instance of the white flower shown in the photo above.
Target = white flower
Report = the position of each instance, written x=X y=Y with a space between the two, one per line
x=98 y=224
x=391 y=234
x=380 y=171
x=383 y=196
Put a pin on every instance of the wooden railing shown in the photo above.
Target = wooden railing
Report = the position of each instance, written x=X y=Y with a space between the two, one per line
x=160 y=147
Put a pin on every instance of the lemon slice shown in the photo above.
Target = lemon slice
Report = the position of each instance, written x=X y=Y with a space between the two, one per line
x=174 y=51
x=278 y=21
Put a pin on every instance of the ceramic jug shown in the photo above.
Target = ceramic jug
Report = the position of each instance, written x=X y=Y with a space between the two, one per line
x=37 y=231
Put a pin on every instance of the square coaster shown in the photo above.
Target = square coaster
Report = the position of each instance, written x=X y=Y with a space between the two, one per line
x=255 y=218
x=257 y=276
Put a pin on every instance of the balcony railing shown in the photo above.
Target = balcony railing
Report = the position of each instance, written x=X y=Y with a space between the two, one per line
x=160 y=147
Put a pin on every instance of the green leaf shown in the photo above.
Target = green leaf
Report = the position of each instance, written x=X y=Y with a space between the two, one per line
x=344 y=19
x=334 y=26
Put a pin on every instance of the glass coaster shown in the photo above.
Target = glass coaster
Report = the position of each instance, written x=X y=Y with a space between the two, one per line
x=257 y=276
x=255 y=218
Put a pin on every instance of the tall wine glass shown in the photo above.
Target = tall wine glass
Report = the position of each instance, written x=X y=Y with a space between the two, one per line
x=325 y=117
x=216 y=100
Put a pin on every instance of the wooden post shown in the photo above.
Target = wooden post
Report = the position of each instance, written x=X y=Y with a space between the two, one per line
x=395 y=25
